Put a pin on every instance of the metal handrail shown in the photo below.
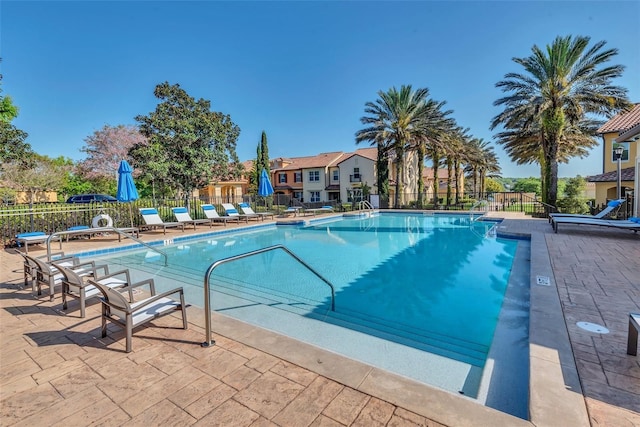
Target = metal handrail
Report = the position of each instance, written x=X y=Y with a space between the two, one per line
x=97 y=230
x=207 y=304
x=477 y=204
x=365 y=205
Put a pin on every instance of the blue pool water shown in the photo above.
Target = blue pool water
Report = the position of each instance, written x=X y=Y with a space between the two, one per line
x=433 y=284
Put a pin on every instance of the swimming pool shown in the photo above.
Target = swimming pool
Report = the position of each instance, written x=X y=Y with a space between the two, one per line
x=416 y=294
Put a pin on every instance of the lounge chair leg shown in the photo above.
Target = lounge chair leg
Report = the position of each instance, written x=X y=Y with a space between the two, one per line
x=632 y=338
x=82 y=304
x=185 y=325
x=129 y=332
x=104 y=321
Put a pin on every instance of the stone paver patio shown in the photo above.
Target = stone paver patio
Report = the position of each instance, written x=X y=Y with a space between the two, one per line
x=56 y=370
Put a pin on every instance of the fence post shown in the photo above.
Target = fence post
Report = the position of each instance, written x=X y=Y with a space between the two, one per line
x=521 y=203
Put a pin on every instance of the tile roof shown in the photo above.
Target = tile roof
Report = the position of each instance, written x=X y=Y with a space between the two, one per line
x=427 y=173
x=623 y=121
x=368 y=153
x=319 y=161
x=626 y=174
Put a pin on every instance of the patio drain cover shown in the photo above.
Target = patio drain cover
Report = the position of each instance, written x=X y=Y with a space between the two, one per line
x=593 y=327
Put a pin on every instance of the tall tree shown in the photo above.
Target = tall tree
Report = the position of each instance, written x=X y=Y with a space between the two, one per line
x=550 y=102
x=45 y=174
x=394 y=121
x=13 y=145
x=191 y=144
x=105 y=148
x=430 y=140
x=262 y=162
x=264 y=150
x=14 y=148
x=456 y=153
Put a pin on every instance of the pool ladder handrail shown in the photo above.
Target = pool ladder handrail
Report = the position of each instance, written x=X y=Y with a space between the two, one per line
x=365 y=205
x=207 y=276
x=120 y=232
x=478 y=204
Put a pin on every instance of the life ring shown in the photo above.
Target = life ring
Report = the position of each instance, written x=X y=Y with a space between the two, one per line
x=102 y=217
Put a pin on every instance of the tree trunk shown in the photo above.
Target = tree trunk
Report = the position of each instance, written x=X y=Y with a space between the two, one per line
x=435 y=157
x=399 y=177
x=456 y=168
x=421 y=154
x=475 y=183
x=550 y=176
x=449 y=178
x=383 y=178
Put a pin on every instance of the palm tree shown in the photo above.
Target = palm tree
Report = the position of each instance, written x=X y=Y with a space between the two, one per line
x=394 y=121
x=431 y=141
x=524 y=145
x=559 y=89
x=489 y=167
x=474 y=158
x=455 y=156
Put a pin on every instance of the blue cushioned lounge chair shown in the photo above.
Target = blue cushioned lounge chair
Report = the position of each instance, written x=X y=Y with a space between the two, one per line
x=152 y=220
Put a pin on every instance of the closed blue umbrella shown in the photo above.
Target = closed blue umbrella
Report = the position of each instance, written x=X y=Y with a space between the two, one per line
x=127 y=191
x=264 y=186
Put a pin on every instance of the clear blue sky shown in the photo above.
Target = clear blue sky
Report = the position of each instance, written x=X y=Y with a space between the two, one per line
x=301 y=71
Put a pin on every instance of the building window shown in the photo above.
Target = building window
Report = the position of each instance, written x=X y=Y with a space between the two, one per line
x=625 y=153
x=314 y=176
x=282 y=177
x=297 y=177
x=356 y=172
x=336 y=175
x=315 y=196
x=298 y=195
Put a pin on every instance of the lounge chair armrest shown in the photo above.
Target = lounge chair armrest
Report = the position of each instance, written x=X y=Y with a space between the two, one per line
x=103 y=267
x=116 y=273
x=56 y=256
x=144 y=282
x=150 y=282
x=124 y=272
x=155 y=298
x=84 y=264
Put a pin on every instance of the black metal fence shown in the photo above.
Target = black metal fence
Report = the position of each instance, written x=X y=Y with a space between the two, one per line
x=54 y=217
x=494 y=201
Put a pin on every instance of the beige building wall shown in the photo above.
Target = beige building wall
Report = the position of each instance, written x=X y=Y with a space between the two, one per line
x=310 y=186
x=24 y=197
x=367 y=172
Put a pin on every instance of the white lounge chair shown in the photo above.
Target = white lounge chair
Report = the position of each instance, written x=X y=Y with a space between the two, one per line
x=85 y=230
x=49 y=275
x=231 y=211
x=292 y=210
x=612 y=206
x=124 y=311
x=74 y=285
x=182 y=215
x=30 y=268
x=248 y=210
x=632 y=224
x=33 y=238
x=212 y=215
x=152 y=220
x=321 y=209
